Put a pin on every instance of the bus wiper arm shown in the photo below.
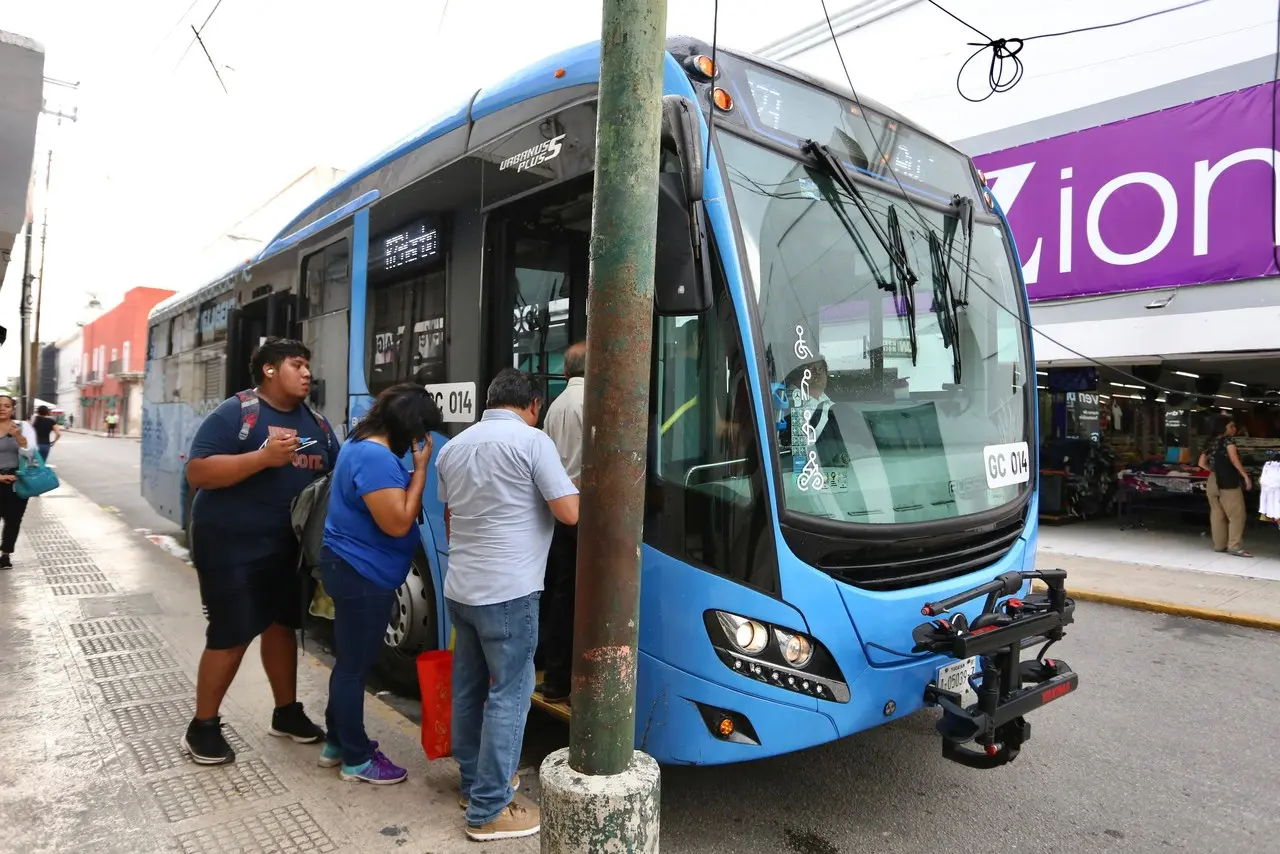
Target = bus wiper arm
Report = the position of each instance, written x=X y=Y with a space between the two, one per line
x=964 y=213
x=833 y=167
x=944 y=301
x=905 y=293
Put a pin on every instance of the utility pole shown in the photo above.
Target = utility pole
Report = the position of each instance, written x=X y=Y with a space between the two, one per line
x=33 y=392
x=33 y=386
x=602 y=794
x=24 y=314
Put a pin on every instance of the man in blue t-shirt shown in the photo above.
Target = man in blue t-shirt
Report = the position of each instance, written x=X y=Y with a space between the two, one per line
x=249 y=460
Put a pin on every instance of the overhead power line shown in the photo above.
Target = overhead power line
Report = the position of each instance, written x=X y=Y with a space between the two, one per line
x=1006 y=68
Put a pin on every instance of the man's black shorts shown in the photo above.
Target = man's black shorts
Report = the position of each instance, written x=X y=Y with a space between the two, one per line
x=242 y=598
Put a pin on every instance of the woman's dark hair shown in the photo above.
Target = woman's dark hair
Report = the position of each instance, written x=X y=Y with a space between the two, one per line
x=9 y=398
x=1221 y=423
x=273 y=352
x=404 y=413
x=42 y=410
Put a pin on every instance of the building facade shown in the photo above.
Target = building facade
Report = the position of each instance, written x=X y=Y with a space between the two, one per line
x=68 y=389
x=113 y=358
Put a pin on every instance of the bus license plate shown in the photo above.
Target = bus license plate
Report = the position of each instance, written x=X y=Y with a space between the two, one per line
x=954 y=677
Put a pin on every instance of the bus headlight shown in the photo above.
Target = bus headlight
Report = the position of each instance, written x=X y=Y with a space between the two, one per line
x=795 y=649
x=749 y=636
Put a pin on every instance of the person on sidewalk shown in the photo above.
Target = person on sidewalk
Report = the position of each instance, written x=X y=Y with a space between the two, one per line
x=47 y=430
x=17 y=438
x=112 y=420
x=248 y=468
x=564 y=425
x=370 y=537
x=503 y=488
x=1228 y=482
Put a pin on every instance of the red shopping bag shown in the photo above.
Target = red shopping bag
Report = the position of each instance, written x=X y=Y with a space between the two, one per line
x=435 y=682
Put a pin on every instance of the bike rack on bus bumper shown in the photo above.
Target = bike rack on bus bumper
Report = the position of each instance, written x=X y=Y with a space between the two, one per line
x=1010 y=688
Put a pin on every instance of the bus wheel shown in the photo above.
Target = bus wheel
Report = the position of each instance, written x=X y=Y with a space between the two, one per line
x=411 y=629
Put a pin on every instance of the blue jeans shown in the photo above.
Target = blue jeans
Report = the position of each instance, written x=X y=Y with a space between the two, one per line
x=361 y=610
x=44 y=451
x=492 y=644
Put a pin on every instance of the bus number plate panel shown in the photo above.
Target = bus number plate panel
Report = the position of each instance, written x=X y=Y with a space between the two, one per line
x=457 y=401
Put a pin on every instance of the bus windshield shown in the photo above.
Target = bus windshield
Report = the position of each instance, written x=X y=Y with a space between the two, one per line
x=889 y=399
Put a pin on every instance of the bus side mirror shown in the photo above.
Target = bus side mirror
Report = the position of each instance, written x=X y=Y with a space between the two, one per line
x=679 y=289
x=680 y=125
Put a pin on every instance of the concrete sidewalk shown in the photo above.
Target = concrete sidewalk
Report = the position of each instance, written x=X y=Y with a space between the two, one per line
x=101 y=634
x=1235 y=599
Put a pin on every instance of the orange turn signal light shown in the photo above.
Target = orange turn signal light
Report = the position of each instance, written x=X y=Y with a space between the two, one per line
x=702 y=66
x=726 y=727
x=723 y=102
x=559 y=73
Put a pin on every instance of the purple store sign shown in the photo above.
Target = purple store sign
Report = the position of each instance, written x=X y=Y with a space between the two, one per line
x=1178 y=197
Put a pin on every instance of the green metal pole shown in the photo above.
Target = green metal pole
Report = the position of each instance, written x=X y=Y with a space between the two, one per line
x=616 y=397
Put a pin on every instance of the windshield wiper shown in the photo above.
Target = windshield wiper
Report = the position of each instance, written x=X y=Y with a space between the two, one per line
x=833 y=167
x=964 y=213
x=945 y=304
x=904 y=278
x=905 y=292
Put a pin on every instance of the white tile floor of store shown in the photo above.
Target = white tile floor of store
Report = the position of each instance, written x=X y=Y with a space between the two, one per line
x=1167 y=541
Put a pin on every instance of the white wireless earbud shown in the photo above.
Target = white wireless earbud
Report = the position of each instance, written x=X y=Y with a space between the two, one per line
x=271 y=373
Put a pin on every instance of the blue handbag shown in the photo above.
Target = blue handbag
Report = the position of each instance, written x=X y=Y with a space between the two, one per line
x=35 y=478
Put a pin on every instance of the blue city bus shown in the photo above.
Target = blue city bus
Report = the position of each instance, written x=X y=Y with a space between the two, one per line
x=840 y=506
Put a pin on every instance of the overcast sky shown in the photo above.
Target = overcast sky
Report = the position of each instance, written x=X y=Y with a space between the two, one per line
x=162 y=161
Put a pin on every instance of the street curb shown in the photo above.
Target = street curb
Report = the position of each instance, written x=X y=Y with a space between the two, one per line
x=1251 y=621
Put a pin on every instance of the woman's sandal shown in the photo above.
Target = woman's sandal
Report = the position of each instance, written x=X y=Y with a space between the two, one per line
x=1239 y=553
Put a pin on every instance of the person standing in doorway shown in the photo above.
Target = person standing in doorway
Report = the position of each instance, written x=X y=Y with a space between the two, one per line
x=17 y=439
x=564 y=425
x=1228 y=482
x=370 y=538
x=250 y=458
x=47 y=430
x=503 y=488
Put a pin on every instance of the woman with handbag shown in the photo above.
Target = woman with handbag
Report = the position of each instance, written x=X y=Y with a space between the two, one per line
x=17 y=439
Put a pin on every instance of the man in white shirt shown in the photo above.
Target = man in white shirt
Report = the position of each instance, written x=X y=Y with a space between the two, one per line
x=503 y=488
x=564 y=426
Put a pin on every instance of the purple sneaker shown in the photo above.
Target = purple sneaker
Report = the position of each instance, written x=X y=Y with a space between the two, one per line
x=331 y=755
x=379 y=771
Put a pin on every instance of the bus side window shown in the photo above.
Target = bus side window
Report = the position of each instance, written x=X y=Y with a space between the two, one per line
x=707 y=504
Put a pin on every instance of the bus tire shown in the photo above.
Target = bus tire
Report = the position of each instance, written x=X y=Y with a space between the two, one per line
x=412 y=628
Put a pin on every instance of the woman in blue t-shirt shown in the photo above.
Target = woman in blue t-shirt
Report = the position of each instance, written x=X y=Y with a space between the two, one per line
x=370 y=536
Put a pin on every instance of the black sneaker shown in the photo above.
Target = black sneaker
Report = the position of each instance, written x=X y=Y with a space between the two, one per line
x=205 y=744
x=291 y=722
x=5 y=562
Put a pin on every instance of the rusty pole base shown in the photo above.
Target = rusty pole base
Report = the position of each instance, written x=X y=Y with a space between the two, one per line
x=584 y=814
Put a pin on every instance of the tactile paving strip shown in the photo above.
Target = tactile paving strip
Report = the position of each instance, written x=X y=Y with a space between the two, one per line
x=96 y=589
x=143 y=720
x=118 y=643
x=149 y=687
x=210 y=790
x=109 y=626
x=61 y=565
x=131 y=663
x=283 y=830
x=162 y=752
x=76 y=578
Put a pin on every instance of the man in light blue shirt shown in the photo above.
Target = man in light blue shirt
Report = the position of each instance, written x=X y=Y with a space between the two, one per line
x=503 y=488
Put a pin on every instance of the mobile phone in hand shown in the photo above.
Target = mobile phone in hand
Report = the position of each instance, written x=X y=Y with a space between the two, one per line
x=306 y=444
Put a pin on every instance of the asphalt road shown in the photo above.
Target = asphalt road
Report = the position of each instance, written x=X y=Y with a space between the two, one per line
x=1171 y=744
x=108 y=471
